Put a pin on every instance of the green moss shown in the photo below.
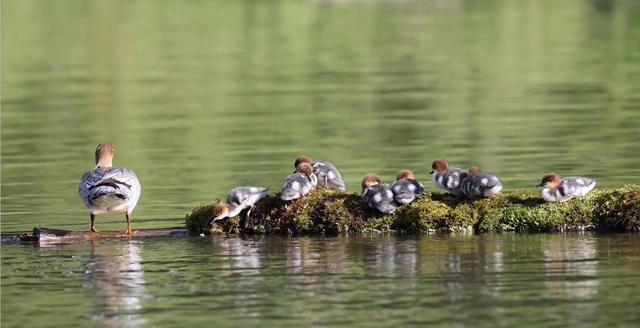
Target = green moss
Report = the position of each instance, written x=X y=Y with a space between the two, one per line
x=333 y=212
x=618 y=209
x=424 y=214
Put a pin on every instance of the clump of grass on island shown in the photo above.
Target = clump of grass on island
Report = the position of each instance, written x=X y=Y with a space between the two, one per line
x=333 y=212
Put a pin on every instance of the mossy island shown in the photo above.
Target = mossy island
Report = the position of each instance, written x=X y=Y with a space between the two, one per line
x=330 y=212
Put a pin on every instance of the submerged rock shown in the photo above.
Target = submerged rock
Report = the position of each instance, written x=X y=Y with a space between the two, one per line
x=334 y=212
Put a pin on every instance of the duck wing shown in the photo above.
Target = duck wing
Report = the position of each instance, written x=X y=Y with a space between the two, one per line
x=98 y=182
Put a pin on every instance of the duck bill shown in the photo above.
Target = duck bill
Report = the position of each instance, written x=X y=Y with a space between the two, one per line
x=431 y=172
x=540 y=184
x=217 y=218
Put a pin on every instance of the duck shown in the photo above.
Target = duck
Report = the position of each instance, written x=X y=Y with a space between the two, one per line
x=106 y=189
x=328 y=175
x=377 y=196
x=446 y=177
x=300 y=183
x=238 y=199
x=561 y=190
x=406 y=187
x=479 y=184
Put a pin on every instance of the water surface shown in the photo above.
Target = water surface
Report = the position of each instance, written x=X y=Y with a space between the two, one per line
x=486 y=280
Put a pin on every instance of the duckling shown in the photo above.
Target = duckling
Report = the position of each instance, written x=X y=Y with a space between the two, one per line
x=300 y=183
x=406 y=187
x=376 y=195
x=557 y=190
x=446 y=177
x=328 y=175
x=106 y=189
x=480 y=184
x=238 y=199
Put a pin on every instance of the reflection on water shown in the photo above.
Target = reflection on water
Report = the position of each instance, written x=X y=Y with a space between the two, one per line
x=575 y=258
x=242 y=259
x=385 y=280
x=115 y=278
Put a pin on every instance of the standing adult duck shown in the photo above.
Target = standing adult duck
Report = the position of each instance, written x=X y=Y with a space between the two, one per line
x=106 y=189
x=328 y=175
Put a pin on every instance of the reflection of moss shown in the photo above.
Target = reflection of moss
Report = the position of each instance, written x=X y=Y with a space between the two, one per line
x=333 y=212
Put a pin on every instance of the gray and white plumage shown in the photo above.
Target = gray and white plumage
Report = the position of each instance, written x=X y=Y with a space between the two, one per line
x=245 y=196
x=480 y=185
x=241 y=198
x=109 y=190
x=406 y=190
x=297 y=185
x=328 y=174
x=568 y=188
x=450 y=179
x=380 y=197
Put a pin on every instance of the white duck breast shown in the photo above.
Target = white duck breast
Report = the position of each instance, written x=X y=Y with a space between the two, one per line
x=450 y=179
x=569 y=188
x=406 y=190
x=380 y=197
x=481 y=185
x=328 y=175
x=297 y=185
x=109 y=190
x=240 y=198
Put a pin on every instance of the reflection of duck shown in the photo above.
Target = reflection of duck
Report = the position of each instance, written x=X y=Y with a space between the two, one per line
x=446 y=177
x=393 y=258
x=116 y=276
x=556 y=190
x=244 y=254
x=328 y=175
x=109 y=190
x=300 y=183
x=571 y=268
x=315 y=265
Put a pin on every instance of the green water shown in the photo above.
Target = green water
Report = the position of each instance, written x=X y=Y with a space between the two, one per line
x=202 y=96
x=487 y=280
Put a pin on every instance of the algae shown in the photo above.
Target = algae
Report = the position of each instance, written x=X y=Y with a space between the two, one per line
x=331 y=212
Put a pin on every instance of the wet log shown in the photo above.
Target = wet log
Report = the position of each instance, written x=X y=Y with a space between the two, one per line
x=332 y=212
x=50 y=235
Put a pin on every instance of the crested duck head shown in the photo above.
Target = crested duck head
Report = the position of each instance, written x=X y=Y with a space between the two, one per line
x=439 y=165
x=474 y=170
x=550 y=180
x=370 y=180
x=405 y=174
x=305 y=168
x=104 y=155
